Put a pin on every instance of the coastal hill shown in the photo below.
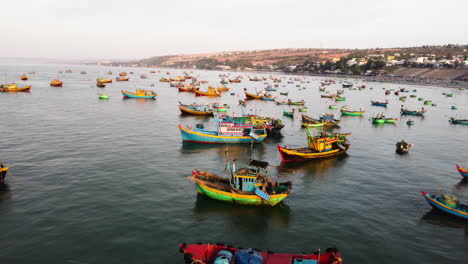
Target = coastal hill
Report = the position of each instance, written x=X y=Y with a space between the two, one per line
x=449 y=62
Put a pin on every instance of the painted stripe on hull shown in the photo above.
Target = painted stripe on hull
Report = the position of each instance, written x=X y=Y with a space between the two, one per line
x=192 y=136
x=238 y=198
x=462 y=171
x=438 y=205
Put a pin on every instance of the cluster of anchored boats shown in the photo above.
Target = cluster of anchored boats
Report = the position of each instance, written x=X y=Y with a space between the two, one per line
x=250 y=184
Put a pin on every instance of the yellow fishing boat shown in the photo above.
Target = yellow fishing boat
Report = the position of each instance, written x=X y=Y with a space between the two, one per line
x=211 y=92
x=13 y=87
x=103 y=80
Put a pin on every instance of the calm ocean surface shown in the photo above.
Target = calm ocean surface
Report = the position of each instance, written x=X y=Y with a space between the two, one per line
x=103 y=181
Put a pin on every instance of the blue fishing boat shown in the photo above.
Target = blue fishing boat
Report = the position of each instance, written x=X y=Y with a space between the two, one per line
x=229 y=130
x=405 y=111
x=377 y=103
x=139 y=94
x=458 y=121
x=447 y=203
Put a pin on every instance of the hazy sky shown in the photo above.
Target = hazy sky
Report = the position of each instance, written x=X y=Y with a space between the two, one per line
x=121 y=29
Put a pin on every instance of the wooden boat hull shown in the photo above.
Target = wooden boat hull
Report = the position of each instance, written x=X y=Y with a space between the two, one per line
x=432 y=200
x=207 y=253
x=252 y=96
x=104 y=81
x=295 y=154
x=13 y=90
x=463 y=172
x=190 y=135
x=269 y=98
x=190 y=111
x=391 y=120
x=458 y=121
x=200 y=93
x=379 y=104
x=132 y=95
x=348 y=113
x=183 y=89
x=378 y=121
x=415 y=113
x=237 y=198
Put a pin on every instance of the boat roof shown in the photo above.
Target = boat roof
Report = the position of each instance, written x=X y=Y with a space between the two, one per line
x=257 y=163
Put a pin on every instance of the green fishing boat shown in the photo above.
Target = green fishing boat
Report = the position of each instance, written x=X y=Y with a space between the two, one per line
x=303 y=109
x=346 y=111
x=333 y=107
x=289 y=113
x=378 y=119
x=248 y=186
x=103 y=96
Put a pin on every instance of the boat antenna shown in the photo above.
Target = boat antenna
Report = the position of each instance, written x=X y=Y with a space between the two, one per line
x=439 y=190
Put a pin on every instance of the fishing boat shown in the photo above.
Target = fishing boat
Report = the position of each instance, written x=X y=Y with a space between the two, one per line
x=387 y=92
x=458 y=121
x=220 y=89
x=152 y=71
x=122 y=79
x=322 y=145
x=103 y=80
x=223 y=81
x=289 y=113
x=56 y=83
x=347 y=85
x=13 y=87
x=229 y=130
x=447 y=203
x=235 y=81
x=251 y=96
x=454 y=107
x=220 y=254
x=282 y=102
x=143 y=76
x=164 y=80
x=346 y=111
x=303 y=109
x=284 y=93
x=123 y=74
x=139 y=94
x=210 y=92
x=405 y=111
x=185 y=88
x=3 y=172
x=269 y=97
x=103 y=96
x=312 y=123
x=299 y=103
x=377 y=103
x=333 y=107
x=24 y=77
x=403 y=147
x=196 y=109
x=339 y=98
x=248 y=185
x=428 y=102
x=100 y=85
x=463 y=171
x=391 y=120
x=410 y=122
x=379 y=119
x=327 y=95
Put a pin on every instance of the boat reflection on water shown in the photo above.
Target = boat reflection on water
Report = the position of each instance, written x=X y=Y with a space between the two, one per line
x=242 y=152
x=260 y=218
x=438 y=218
x=5 y=192
x=463 y=184
x=316 y=168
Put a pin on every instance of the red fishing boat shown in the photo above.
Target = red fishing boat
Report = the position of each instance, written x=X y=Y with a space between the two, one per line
x=218 y=253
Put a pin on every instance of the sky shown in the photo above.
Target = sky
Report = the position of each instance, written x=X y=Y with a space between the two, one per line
x=124 y=29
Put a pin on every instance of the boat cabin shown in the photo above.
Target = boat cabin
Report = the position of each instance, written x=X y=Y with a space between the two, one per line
x=250 y=178
x=321 y=144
